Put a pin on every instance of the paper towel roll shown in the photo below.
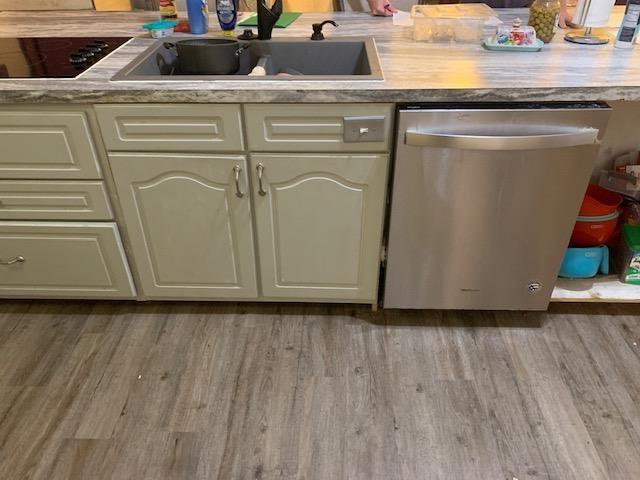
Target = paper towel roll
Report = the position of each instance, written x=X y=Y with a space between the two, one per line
x=593 y=13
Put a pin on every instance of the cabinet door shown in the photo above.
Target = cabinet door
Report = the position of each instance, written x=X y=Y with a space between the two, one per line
x=189 y=232
x=319 y=225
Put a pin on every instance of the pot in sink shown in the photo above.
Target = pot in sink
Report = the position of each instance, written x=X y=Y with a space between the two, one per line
x=208 y=56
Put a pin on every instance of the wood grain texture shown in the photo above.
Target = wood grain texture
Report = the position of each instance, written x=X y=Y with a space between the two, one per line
x=413 y=71
x=239 y=391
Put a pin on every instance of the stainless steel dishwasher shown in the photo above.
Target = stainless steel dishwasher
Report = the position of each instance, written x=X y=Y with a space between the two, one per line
x=484 y=201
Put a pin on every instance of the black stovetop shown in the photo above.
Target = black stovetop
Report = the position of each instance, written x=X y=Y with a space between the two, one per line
x=53 y=57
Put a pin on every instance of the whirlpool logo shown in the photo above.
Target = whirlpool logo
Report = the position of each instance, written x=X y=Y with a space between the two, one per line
x=534 y=287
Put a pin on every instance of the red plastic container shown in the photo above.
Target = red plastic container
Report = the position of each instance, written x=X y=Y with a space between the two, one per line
x=594 y=231
x=599 y=201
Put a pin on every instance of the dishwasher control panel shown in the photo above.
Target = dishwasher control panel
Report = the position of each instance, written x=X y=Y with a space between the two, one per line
x=364 y=129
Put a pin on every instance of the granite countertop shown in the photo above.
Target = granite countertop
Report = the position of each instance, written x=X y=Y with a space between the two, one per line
x=414 y=71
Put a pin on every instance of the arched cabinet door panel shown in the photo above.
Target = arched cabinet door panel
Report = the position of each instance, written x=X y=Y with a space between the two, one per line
x=319 y=221
x=188 y=222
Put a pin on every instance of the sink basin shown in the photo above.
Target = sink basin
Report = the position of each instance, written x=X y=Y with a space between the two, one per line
x=346 y=58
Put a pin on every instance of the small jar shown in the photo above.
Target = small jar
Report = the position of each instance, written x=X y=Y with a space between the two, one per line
x=543 y=16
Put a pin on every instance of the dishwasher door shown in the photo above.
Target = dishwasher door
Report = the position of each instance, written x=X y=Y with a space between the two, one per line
x=484 y=202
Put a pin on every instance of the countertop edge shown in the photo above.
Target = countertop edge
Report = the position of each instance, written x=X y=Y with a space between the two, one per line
x=88 y=96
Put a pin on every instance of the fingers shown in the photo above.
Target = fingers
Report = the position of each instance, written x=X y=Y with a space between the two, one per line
x=565 y=20
x=381 y=13
x=381 y=8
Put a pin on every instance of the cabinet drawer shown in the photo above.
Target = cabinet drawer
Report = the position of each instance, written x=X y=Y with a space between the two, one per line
x=46 y=144
x=46 y=259
x=162 y=128
x=53 y=200
x=313 y=128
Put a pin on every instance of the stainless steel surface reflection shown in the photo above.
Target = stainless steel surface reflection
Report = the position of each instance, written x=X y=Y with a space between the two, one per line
x=484 y=201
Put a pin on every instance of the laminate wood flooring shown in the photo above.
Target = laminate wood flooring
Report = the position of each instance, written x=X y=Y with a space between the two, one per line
x=259 y=391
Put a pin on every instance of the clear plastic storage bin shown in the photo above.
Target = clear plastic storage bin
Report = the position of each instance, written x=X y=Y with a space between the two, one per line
x=450 y=23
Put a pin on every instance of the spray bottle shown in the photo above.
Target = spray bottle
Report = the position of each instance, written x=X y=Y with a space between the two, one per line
x=198 y=11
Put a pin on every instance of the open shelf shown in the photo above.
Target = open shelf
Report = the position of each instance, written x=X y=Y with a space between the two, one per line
x=603 y=288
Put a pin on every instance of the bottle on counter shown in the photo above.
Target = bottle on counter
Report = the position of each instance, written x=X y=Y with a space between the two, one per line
x=168 y=9
x=198 y=11
x=630 y=23
x=227 y=11
x=544 y=16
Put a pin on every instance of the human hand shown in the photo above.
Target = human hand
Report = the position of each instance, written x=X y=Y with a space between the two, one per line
x=381 y=8
x=565 y=19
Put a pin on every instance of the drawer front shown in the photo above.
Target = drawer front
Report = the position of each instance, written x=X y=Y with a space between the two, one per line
x=45 y=144
x=162 y=128
x=53 y=200
x=79 y=260
x=314 y=128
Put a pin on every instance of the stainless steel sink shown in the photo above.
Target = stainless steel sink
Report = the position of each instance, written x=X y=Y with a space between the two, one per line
x=287 y=59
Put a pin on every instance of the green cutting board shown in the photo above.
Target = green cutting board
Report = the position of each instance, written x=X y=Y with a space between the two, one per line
x=286 y=19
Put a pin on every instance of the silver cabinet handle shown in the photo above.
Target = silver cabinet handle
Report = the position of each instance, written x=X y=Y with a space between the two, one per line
x=18 y=259
x=260 y=170
x=237 y=170
x=586 y=136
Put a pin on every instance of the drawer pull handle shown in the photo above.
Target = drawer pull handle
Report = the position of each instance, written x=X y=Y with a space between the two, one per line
x=237 y=170
x=18 y=259
x=260 y=170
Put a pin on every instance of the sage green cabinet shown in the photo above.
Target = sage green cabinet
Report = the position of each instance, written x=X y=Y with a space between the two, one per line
x=297 y=216
x=54 y=200
x=319 y=224
x=47 y=144
x=171 y=128
x=188 y=223
x=313 y=127
x=63 y=259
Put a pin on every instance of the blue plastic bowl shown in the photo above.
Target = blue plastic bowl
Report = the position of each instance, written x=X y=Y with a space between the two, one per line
x=585 y=262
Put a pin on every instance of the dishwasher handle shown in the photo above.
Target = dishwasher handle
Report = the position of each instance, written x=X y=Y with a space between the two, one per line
x=585 y=136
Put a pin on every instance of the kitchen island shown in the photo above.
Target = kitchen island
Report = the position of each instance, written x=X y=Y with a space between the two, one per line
x=126 y=147
x=413 y=71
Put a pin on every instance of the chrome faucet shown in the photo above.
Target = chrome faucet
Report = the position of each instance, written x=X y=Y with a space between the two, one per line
x=267 y=18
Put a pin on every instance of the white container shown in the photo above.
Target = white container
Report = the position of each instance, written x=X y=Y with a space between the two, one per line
x=450 y=23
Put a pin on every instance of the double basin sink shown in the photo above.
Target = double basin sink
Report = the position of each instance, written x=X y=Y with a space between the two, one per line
x=346 y=58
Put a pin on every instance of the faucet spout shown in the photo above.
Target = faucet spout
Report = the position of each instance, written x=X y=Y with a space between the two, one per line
x=267 y=18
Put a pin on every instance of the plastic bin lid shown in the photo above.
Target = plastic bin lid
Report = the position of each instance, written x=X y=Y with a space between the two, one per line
x=461 y=11
x=160 y=24
x=632 y=236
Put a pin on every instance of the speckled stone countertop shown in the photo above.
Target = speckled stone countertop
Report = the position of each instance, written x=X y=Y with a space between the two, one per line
x=414 y=71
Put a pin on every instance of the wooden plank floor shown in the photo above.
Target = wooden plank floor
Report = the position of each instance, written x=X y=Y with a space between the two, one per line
x=225 y=391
